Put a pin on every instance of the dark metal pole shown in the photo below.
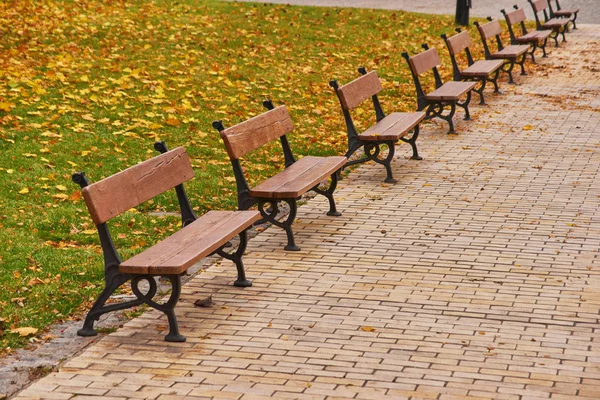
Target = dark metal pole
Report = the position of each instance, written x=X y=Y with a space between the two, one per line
x=462 y=12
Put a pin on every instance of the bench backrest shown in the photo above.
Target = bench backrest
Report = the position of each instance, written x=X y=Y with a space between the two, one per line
x=118 y=193
x=425 y=61
x=249 y=135
x=515 y=17
x=360 y=89
x=459 y=42
x=539 y=5
x=490 y=30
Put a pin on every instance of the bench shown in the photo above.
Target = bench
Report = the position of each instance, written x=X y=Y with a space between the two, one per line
x=171 y=257
x=445 y=94
x=388 y=129
x=478 y=71
x=297 y=178
x=510 y=54
x=558 y=26
x=559 y=12
x=537 y=39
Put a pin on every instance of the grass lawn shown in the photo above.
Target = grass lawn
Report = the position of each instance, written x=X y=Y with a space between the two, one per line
x=90 y=85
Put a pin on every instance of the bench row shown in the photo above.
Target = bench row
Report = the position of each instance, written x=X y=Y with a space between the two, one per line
x=213 y=232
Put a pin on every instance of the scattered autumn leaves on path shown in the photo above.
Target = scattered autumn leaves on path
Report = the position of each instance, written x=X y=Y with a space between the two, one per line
x=90 y=85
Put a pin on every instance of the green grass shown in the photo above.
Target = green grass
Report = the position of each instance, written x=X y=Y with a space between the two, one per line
x=89 y=86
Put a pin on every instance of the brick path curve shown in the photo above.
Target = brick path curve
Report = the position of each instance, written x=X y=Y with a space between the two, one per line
x=475 y=276
x=590 y=9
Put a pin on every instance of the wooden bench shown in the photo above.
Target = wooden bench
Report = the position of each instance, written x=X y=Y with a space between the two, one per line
x=537 y=39
x=558 y=26
x=388 y=129
x=559 y=12
x=479 y=71
x=297 y=178
x=199 y=237
x=445 y=94
x=510 y=54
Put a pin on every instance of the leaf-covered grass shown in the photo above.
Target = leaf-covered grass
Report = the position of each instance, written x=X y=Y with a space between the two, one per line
x=90 y=85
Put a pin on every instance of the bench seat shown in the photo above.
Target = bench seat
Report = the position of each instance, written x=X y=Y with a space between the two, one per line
x=533 y=36
x=450 y=91
x=511 y=51
x=175 y=254
x=555 y=23
x=482 y=68
x=392 y=127
x=299 y=177
x=566 y=12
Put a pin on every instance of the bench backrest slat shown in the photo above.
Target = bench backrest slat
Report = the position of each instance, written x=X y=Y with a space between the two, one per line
x=490 y=30
x=360 y=89
x=539 y=5
x=458 y=43
x=515 y=17
x=118 y=193
x=425 y=61
x=249 y=135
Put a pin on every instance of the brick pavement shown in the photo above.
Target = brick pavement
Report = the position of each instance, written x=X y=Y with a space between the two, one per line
x=475 y=276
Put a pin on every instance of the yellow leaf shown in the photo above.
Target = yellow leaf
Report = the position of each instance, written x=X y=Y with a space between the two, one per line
x=85 y=152
x=24 y=191
x=88 y=117
x=29 y=155
x=4 y=106
x=230 y=179
x=61 y=187
x=72 y=164
x=26 y=331
x=89 y=232
x=367 y=328
x=10 y=171
x=527 y=127
x=172 y=121
x=60 y=196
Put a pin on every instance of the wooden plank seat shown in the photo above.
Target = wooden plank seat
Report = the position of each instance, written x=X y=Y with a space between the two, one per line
x=559 y=12
x=387 y=130
x=297 y=178
x=444 y=94
x=170 y=257
x=511 y=54
x=480 y=71
x=558 y=26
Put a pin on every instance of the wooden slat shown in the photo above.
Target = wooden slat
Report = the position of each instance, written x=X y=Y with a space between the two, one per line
x=451 y=91
x=425 y=61
x=556 y=23
x=539 y=5
x=298 y=178
x=512 y=51
x=360 y=89
x=516 y=16
x=392 y=127
x=243 y=138
x=184 y=248
x=458 y=43
x=120 y=192
x=490 y=29
x=483 y=68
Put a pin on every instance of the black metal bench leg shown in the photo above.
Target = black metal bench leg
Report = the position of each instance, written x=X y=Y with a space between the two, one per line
x=564 y=30
x=329 y=194
x=465 y=106
x=555 y=37
x=168 y=307
x=99 y=308
x=495 y=81
x=413 y=143
x=509 y=71
x=480 y=91
x=532 y=53
x=573 y=21
x=236 y=257
x=271 y=216
x=437 y=110
x=543 y=46
x=522 y=64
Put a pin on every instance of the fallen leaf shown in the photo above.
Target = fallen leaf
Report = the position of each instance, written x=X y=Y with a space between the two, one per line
x=367 y=328
x=26 y=331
